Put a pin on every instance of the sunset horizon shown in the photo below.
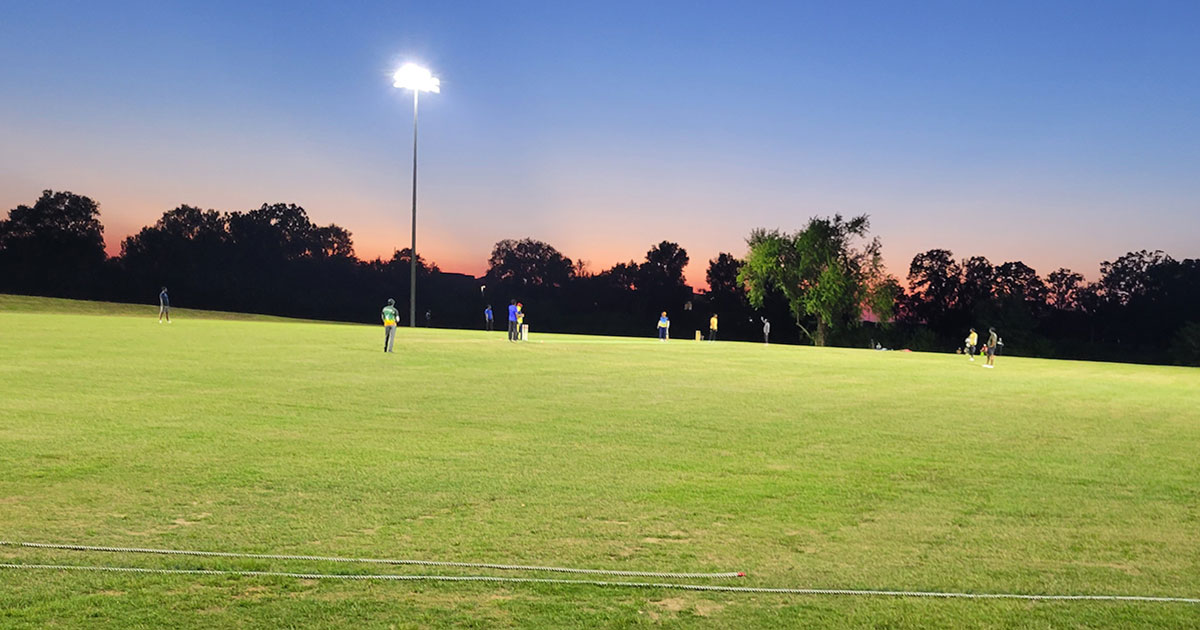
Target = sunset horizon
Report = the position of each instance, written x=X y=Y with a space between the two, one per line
x=457 y=259
x=1014 y=133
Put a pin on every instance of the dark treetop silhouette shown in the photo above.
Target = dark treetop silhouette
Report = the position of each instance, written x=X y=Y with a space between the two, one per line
x=821 y=280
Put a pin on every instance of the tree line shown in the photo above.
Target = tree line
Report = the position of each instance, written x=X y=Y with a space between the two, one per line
x=823 y=284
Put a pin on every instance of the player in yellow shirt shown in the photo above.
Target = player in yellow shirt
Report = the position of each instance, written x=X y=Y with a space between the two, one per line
x=971 y=341
x=712 y=328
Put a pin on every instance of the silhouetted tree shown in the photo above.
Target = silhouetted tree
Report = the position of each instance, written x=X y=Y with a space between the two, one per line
x=660 y=281
x=1165 y=303
x=332 y=241
x=1019 y=282
x=727 y=297
x=187 y=249
x=934 y=281
x=274 y=232
x=528 y=263
x=399 y=262
x=664 y=265
x=1064 y=289
x=722 y=276
x=1145 y=306
x=976 y=288
x=1129 y=276
x=1185 y=346
x=54 y=246
x=623 y=276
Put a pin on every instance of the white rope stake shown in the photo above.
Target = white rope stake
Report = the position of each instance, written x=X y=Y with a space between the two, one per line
x=424 y=563
x=681 y=587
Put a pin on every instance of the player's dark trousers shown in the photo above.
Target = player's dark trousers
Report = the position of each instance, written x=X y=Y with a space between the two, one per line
x=512 y=330
x=389 y=337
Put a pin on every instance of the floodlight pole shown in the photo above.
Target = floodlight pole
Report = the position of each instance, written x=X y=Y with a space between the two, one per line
x=412 y=276
x=415 y=78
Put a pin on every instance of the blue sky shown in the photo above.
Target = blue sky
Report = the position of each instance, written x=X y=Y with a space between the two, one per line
x=1060 y=134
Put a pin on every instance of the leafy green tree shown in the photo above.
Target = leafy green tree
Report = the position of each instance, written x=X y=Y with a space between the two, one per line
x=822 y=274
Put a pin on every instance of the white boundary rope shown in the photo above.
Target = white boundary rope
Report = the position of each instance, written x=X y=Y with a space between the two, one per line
x=424 y=563
x=681 y=587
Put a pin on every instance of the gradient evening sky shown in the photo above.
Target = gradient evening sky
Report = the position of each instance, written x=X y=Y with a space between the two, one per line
x=1060 y=134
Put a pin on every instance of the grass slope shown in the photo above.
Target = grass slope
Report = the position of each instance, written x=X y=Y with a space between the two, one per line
x=802 y=466
x=32 y=304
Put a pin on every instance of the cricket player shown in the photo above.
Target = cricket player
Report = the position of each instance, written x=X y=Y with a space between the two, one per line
x=164 y=306
x=512 y=320
x=390 y=317
x=991 y=348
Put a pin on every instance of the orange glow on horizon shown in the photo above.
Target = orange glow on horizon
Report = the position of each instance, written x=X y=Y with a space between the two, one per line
x=451 y=260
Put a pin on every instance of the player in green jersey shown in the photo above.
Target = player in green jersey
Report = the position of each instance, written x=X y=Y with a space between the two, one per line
x=390 y=317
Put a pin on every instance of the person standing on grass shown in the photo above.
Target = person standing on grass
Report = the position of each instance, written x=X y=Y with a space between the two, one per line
x=487 y=318
x=766 y=330
x=712 y=328
x=520 y=321
x=164 y=306
x=512 y=320
x=991 y=348
x=390 y=317
x=971 y=341
x=664 y=327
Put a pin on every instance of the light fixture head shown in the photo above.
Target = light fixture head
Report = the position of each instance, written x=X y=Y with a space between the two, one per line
x=410 y=76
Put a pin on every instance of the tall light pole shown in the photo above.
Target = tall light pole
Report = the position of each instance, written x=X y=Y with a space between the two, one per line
x=410 y=76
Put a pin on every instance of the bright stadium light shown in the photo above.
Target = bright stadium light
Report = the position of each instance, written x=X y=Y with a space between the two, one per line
x=410 y=76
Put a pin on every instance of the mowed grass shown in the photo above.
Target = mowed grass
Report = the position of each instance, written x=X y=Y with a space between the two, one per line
x=804 y=467
x=63 y=306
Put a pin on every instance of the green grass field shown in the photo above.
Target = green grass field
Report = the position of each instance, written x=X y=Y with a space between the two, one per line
x=804 y=467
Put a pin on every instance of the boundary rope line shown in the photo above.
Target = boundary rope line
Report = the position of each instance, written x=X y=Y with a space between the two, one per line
x=682 y=587
x=425 y=563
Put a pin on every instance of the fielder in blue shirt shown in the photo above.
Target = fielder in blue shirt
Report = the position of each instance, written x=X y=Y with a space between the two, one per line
x=164 y=306
x=512 y=321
